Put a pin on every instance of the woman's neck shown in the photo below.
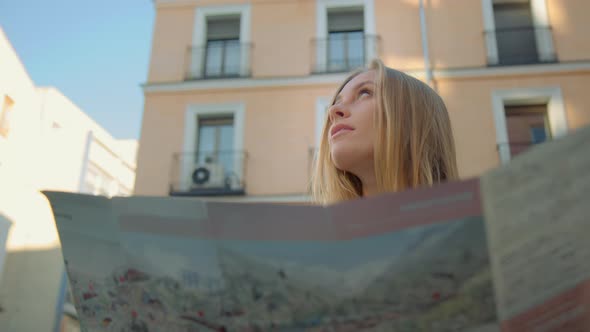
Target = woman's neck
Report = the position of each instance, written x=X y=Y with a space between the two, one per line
x=369 y=182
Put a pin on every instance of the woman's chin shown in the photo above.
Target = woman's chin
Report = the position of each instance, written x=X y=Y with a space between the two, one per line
x=347 y=158
x=342 y=159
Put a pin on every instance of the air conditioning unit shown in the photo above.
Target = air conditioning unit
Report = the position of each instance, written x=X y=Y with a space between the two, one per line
x=208 y=175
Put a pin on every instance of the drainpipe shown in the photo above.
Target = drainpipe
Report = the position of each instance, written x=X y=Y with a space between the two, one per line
x=426 y=52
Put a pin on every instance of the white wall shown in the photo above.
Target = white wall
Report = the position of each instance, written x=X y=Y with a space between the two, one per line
x=67 y=129
x=32 y=263
x=45 y=149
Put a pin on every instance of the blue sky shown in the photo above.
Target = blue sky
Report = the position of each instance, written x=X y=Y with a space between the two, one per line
x=95 y=52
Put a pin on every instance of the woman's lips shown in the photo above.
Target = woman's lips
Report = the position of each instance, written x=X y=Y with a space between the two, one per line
x=340 y=129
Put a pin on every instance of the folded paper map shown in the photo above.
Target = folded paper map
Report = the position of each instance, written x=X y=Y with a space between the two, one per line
x=509 y=251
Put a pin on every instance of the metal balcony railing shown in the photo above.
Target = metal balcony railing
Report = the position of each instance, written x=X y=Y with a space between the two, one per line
x=521 y=45
x=343 y=52
x=516 y=148
x=217 y=173
x=218 y=59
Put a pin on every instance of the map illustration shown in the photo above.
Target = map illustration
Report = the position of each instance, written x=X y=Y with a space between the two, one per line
x=429 y=278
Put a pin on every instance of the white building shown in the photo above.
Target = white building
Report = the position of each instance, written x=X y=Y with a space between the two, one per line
x=46 y=143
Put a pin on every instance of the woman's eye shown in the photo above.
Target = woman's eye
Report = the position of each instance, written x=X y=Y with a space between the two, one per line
x=365 y=92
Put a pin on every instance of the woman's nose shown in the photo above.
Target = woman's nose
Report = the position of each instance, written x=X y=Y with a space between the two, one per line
x=339 y=111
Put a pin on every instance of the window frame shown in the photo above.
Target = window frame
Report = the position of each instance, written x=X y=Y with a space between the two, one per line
x=528 y=113
x=215 y=122
x=224 y=48
x=556 y=112
x=346 y=51
x=197 y=59
x=191 y=134
x=322 y=33
x=6 y=110
x=223 y=73
x=545 y=47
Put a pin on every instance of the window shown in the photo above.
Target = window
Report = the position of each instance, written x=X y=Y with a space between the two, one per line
x=322 y=106
x=222 y=51
x=345 y=35
x=321 y=112
x=221 y=42
x=5 y=116
x=346 y=39
x=212 y=159
x=517 y=32
x=538 y=134
x=527 y=125
x=216 y=143
x=527 y=116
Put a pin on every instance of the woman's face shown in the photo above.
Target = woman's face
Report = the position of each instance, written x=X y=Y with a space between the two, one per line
x=351 y=134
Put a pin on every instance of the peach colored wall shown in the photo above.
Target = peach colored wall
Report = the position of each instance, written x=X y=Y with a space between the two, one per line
x=161 y=136
x=279 y=129
x=398 y=25
x=173 y=33
x=280 y=121
x=569 y=20
x=455 y=33
x=470 y=106
x=456 y=37
x=282 y=34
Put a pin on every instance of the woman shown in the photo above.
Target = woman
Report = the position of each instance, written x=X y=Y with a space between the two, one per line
x=385 y=131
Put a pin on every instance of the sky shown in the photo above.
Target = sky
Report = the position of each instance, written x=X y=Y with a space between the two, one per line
x=95 y=52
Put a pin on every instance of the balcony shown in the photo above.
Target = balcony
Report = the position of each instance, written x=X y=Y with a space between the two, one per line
x=520 y=46
x=219 y=59
x=343 y=52
x=512 y=149
x=219 y=173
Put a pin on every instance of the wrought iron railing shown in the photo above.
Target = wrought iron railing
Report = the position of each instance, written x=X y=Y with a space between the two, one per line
x=343 y=52
x=516 y=148
x=216 y=173
x=521 y=45
x=218 y=59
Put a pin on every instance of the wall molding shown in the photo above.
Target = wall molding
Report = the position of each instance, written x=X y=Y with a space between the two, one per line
x=245 y=83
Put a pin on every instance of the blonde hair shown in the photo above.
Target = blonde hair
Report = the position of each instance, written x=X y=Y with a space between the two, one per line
x=414 y=143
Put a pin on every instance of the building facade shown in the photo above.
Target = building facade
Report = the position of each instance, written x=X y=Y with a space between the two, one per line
x=237 y=90
x=46 y=143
